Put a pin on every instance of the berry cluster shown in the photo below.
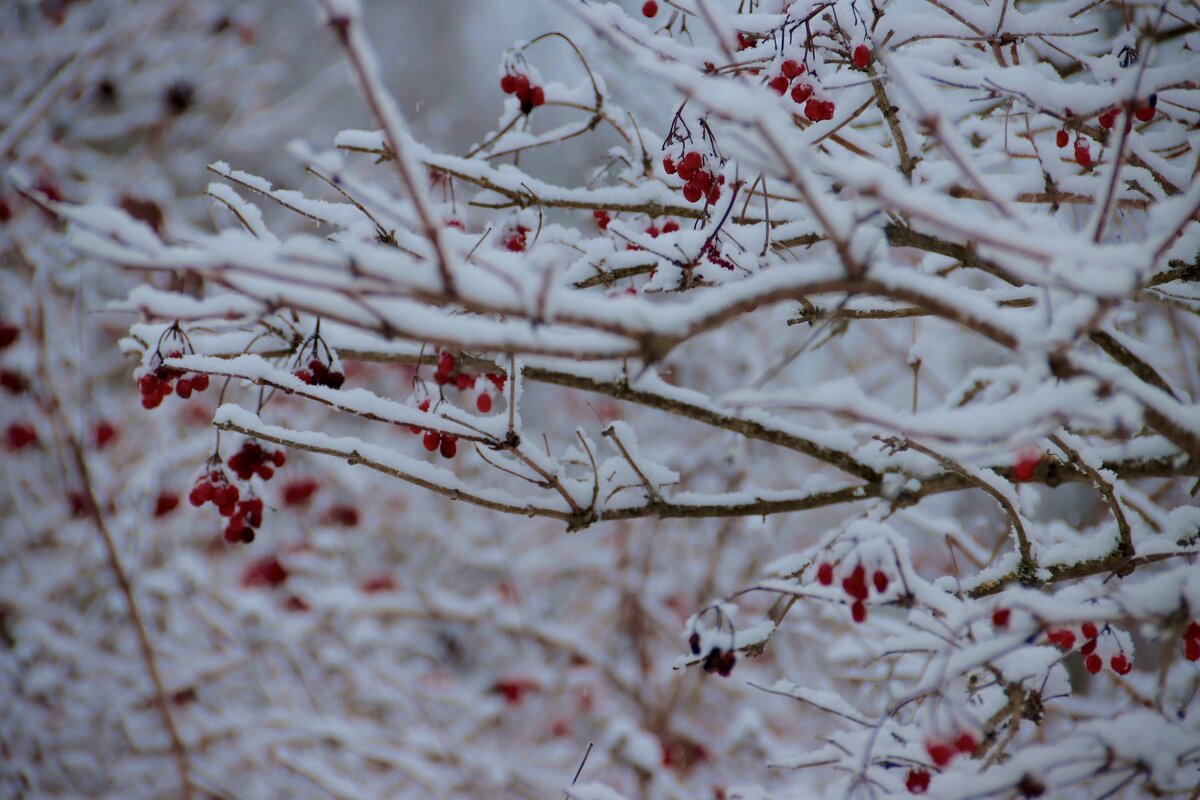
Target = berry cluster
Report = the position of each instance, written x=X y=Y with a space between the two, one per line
x=529 y=96
x=701 y=179
x=802 y=93
x=318 y=373
x=1191 y=641
x=299 y=492
x=445 y=443
x=254 y=459
x=1083 y=150
x=855 y=585
x=515 y=241
x=1093 y=662
x=445 y=374
x=1144 y=112
x=156 y=384
x=917 y=781
x=943 y=751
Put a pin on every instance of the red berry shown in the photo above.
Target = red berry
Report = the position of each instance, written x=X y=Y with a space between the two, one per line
x=508 y=84
x=862 y=56
x=1089 y=630
x=483 y=403
x=304 y=376
x=1109 y=118
x=1093 y=663
x=602 y=217
x=965 y=743
x=104 y=433
x=1120 y=664
x=201 y=493
x=858 y=611
x=13 y=381
x=1061 y=138
x=668 y=165
x=881 y=581
x=917 y=781
x=801 y=92
x=1193 y=630
x=199 y=382
x=692 y=193
x=670 y=227
x=20 y=436
x=184 y=388
x=1144 y=113
x=791 y=69
x=1026 y=466
x=278 y=458
x=1083 y=154
x=1064 y=639
x=264 y=472
x=520 y=84
x=1088 y=648
x=1191 y=649
x=431 y=440
x=825 y=574
x=449 y=446
x=537 y=96
x=266 y=571
x=1001 y=617
x=940 y=753
x=649 y=8
x=343 y=515
x=165 y=504
x=778 y=84
x=463 y=381
x=692 y=161
x=299 y=492
x=8 y=334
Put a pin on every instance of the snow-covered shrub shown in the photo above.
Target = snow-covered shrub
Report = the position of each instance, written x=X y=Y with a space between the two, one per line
x=859 y=368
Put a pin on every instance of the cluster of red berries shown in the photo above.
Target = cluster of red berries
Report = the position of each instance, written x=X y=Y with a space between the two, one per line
x=1083 y=151
x=244 y=515
x=318 y=373
x=530 y=96
x=254 y=459
x=516 y=239
x=266 y=571
x=917 y=781
x=19 y=436
x=717 y=660
x=855 y=585
x=1191 y=641
x=464 y=381
x=943 y=751
x=299 y=492
x=700 y=179
x=802 y=93
x=1144 y=112
x=156 y=384
x=1092 y=661
x=445 y=443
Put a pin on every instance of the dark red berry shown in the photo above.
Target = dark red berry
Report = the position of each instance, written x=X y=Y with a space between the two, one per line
x=1089 y=630
x=449 y=446
x=825 y=574
x=165 y=504
x=668 y=165
x=508 y=84
x=199 y=382
x=1001 y=617
x=778 y=84
x=1120 y=664
x=649 y=8
x=880 y=580
x=483 y=403
x=1093 y=663
x=104 y=433
x=1061 y=138
x=1191 y=649
x=1144 y=113
x=965 y=743
x=858 y=611
x=431 y=440
x=940 y=753
x=917 y=781
x=8 y=334
x=791 y=69
x=861 y=56
x=19 y=436
x=1026 y=466
x=183 y=388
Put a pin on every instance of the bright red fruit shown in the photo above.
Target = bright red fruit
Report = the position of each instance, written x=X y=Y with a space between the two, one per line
x=1120 y=664
x=1026 y=466
x=825 y=574
x=917 y=781
x=861 y=56
x=940 y=753
x=791 y=69
x=1001 y=617
x=1089 y=630
x=483 y=403
x=1061 y=138
x=778 y=84
x=649 y=8
x=1093 y=663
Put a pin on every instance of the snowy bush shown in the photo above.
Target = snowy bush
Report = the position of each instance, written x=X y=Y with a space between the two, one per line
x=856 y=365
